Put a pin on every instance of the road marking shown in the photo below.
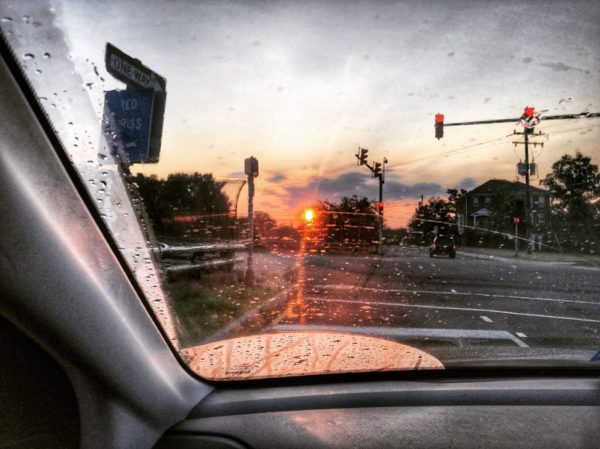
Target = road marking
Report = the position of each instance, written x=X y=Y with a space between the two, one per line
x=404 y=332
x=455 y=293
x=486 y=319
x=521 y=335
x=461 y=309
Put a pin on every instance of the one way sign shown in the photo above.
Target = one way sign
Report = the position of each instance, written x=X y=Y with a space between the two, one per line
x=137 y=76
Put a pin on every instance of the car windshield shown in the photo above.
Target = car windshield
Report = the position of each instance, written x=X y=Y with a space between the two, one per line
x=279 y=176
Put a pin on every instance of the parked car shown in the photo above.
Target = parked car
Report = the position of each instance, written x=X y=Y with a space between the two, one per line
x=443 y=245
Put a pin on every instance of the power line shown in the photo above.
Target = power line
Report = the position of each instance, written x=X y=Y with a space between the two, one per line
x=445 y=153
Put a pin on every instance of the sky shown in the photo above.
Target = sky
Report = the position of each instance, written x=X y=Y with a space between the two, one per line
x=300 y=85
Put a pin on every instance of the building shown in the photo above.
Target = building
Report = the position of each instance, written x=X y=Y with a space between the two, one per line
x=494 y=204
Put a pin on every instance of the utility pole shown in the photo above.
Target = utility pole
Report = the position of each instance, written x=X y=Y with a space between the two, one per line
x=528 y=222
x=251 y=169
x=378 y=173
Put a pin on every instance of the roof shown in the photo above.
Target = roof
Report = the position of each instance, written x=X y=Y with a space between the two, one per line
x=483 y=212
x=496 y=185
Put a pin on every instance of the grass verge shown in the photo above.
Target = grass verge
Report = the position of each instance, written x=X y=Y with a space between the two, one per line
x=202 y=306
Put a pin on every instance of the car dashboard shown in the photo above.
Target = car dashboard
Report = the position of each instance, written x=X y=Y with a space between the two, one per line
x=438 y=411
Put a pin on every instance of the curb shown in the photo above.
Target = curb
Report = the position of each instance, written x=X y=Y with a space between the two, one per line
x=484 y=257
x=512 y=259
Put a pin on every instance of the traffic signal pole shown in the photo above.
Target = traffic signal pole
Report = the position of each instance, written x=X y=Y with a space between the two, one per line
x=527 y=199
x=516 y=237
x=440 y=125
x=529 y=120
x=378 y=170
x=380 y=210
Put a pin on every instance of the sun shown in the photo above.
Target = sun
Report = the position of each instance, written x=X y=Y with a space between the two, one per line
x=309 y=215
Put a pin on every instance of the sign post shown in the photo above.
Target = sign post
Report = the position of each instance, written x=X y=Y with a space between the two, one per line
x=251 y=169
x=517 y=220
x=137 y=76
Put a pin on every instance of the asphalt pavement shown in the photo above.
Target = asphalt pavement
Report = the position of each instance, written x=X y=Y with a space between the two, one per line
x=466 y=305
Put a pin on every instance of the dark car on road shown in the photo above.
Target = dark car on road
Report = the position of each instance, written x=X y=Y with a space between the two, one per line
x=443 y=244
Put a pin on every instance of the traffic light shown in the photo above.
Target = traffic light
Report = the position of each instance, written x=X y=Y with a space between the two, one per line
x=518 y=211
x=529 y=119
x=362 y=156
x=439 y=126
x=251 y=166
x=380 y=206
x=376 y=169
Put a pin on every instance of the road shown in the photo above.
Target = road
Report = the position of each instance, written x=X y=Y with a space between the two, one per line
x=442 y=304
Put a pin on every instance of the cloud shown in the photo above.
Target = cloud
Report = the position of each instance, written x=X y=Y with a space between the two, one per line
x=398 y=190
x=559 y=67
x=345 y=184
x=359 y=184
x=466 y=183
x=236 y=174
x=277 y=178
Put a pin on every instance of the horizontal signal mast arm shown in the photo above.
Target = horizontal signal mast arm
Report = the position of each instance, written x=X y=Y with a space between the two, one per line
x=483 y=122
x=542 y=117
x=567 y=116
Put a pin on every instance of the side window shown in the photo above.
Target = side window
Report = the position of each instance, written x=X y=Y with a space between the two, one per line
x=475 y=201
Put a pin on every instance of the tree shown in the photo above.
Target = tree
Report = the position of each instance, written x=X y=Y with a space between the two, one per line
x=455 y=199
x=351 y=222
x=436 y=214
x=191 y=199
x=574 y=185
x=264 y=225
x=349 y=204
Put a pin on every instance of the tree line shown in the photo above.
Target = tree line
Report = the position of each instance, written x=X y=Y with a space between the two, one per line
x=571 y=222
x=194 y=207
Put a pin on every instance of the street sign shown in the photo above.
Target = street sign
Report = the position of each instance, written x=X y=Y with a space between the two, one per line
x=126 y=123
x=135 y=75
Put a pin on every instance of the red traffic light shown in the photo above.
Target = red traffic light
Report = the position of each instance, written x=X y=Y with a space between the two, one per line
x=517 y=220
x=529 y=111
x=439 y=126
x=380 y=205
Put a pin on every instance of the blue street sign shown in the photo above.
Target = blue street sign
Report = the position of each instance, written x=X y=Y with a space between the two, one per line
x=136 y=75
x=127 y=123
